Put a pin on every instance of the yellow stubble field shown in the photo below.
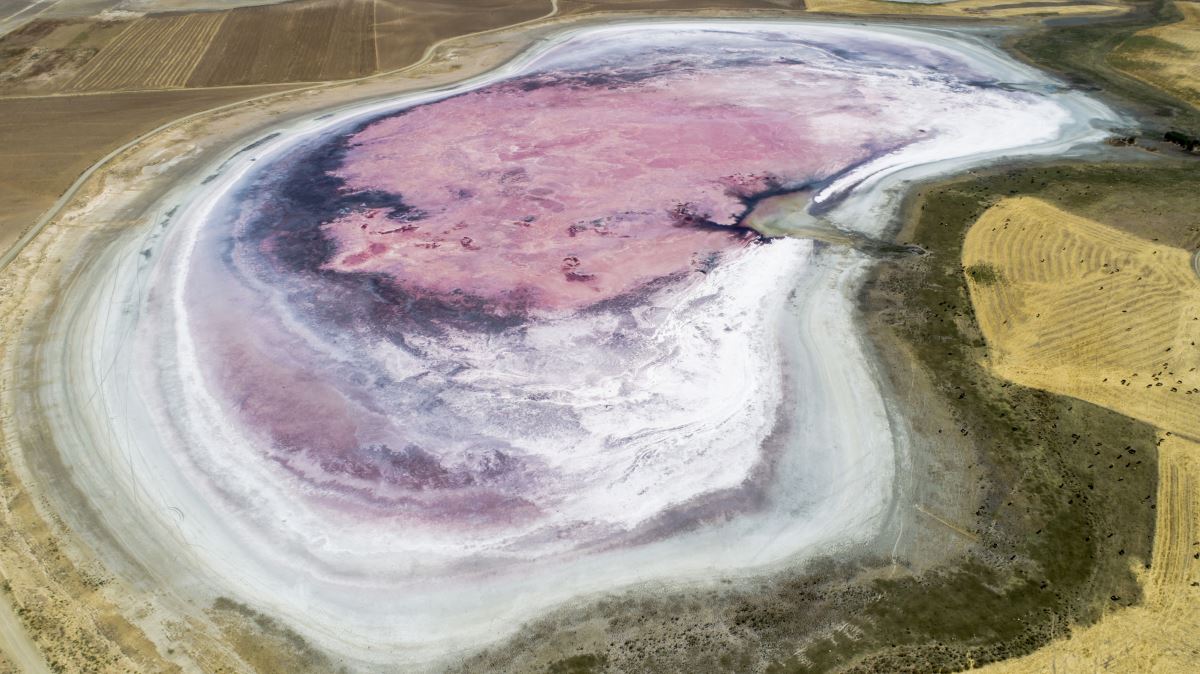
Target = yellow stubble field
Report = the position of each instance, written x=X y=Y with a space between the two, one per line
x=1167 y=56
x=1086 y=310
x=1080 y=308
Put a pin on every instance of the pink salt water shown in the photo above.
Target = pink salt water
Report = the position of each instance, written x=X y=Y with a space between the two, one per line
x=558 y=197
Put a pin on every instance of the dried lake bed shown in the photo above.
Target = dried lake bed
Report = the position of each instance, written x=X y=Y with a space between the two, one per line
x=409 y=373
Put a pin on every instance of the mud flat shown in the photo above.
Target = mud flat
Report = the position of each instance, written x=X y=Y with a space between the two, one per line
x=123 y=383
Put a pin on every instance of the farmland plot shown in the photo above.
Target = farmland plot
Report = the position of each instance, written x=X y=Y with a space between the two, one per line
x=295 y=42
x=152 y=53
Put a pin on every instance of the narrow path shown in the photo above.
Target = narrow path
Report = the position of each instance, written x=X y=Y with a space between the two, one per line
x=15 y=642
x=949 y=525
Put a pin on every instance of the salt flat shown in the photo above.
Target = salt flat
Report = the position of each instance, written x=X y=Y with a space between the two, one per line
x=731 y=403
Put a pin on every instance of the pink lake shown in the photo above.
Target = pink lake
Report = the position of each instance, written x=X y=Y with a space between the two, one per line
x=548 y=195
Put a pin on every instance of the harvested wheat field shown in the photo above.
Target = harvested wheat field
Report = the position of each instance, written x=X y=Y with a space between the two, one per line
x=1076 y=307
x=1073 y=306
x=1167 y=56
x=152 y=53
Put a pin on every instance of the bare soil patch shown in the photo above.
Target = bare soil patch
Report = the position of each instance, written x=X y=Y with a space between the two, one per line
x=308 y=41
x=406 y=28
x=46 y=142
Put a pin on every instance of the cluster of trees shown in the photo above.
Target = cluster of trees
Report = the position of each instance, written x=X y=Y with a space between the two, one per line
x=1189 y=143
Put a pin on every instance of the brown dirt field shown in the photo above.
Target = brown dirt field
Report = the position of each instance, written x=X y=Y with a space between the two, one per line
x=46 y=142
x=307 y=41
x=44 y=56
x=152 y=53
x=406 y=28
x=78 y=33
x=1166 y=56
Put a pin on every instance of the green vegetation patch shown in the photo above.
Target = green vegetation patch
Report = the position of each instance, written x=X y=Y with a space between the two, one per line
x=983 y=274
x=267 y=646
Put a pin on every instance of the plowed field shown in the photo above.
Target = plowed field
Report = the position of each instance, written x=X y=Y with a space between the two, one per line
x=152 y=53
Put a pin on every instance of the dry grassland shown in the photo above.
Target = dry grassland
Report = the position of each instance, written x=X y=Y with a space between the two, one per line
x=404 y=29
x=1166 y=56
x=77 y=33
x=152 y=53
x=309 y=41
x=1079 y=308
x=44 y=56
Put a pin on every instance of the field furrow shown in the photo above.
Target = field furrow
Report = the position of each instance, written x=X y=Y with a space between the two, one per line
x=1083 y=309
x=307 y=41
x=153 y=53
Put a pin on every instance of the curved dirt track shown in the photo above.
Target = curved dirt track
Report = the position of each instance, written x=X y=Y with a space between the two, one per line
x=16 y=644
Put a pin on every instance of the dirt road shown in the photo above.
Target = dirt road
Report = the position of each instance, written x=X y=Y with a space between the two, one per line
x=16 y=644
